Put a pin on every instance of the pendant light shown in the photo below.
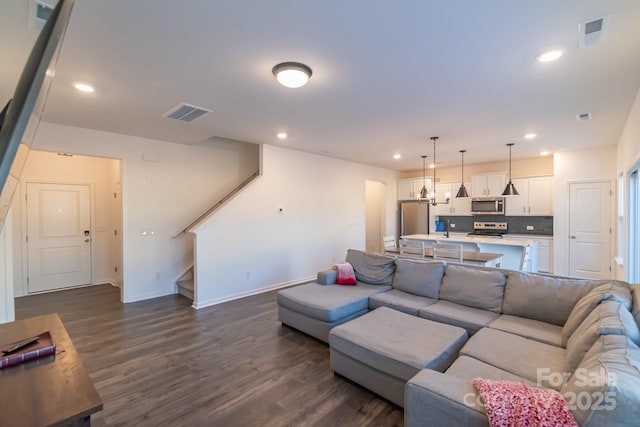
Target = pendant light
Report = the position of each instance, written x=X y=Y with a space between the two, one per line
x=462 y=192
x=432 y=197
x=423 y=193
x=510 y=189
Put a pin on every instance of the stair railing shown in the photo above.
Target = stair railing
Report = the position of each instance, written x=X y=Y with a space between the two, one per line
x=217 y=205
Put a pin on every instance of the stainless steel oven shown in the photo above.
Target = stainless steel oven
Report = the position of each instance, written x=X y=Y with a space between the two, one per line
x=484 y=206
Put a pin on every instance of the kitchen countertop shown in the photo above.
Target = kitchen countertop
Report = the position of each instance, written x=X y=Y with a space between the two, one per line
x=464 y=238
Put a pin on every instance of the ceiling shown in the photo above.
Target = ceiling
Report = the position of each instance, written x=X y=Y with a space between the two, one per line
x=386 y=75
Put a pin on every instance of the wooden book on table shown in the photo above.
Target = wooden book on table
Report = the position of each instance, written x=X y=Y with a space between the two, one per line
x=44 y=346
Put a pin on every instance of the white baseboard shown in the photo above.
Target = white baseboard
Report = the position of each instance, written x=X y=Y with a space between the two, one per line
x=198 y=305
x=141 y=297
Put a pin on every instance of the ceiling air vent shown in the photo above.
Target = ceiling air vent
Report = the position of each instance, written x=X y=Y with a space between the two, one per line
x=39 y=13
x=186 y=113
x=583 y=117
x=593 y=31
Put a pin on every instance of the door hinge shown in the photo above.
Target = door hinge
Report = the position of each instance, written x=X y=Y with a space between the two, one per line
x=27 y=280
x=114 y=195
x=26 y=238
x=115 y=269
x=115 y=232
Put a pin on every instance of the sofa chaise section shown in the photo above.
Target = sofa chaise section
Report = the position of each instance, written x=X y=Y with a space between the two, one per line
x=315 y=308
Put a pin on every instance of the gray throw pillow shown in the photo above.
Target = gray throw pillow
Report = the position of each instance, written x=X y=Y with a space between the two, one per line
x=418 y=277
x=372 y=268
x=608 y=318
x=544 y=298
x=609 y=377
x=611 y=291
x=473 y=287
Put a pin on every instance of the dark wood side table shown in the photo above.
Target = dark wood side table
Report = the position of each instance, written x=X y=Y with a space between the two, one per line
x=50 y=391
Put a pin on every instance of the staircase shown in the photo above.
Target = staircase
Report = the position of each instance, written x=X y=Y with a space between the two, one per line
x=185 y=283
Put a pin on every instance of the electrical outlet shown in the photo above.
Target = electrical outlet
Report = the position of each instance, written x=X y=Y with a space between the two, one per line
x=247 y=275
x=453 y=226
x=529 y=227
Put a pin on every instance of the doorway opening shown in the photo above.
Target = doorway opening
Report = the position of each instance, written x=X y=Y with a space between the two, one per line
x=375 y=216
x=70 y=222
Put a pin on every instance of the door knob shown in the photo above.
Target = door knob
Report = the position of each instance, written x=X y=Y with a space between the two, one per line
x=573 y=236
x=86 y=240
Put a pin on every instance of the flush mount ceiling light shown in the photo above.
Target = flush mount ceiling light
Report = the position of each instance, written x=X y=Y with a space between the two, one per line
x=292 y=74
x=83 y=87
x=510 y=189
x=549 y=56
x=397 y=156
x=282 y=135
x=530 y=136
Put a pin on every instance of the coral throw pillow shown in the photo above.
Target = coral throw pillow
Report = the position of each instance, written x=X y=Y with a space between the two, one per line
x=511 y=404
x=346 y=275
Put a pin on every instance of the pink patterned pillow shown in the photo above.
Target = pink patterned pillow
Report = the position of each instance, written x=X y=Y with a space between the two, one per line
x=511 y=404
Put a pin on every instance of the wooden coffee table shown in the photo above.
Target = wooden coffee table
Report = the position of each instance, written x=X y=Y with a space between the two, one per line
x=50 y=391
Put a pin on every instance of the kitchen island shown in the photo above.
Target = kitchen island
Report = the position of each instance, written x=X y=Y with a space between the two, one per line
x=517 y=254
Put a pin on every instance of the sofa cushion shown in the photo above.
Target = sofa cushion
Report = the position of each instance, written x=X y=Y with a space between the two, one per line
x=372 y=268
x=399 y=300
x=328 y=303
x=529 y=328
x=396 y=343
x=473 y=287
x=635 y=306
x=608 y=318
x=515 y=354
x=468 y=368
x=545 y=298
x=609 y=378
x=419 y=277
x=611 y=291
x=472 y=319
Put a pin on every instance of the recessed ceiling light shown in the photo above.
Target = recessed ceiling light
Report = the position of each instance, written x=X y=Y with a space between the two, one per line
x=549 y=56
x=292 y=74
x=397 y=156
x=530 y=136
x=281 y=135
x=83 y=87
x=545 y=153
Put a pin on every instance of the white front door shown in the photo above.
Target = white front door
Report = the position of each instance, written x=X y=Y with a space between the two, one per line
x=590 y=230
x=58 y=236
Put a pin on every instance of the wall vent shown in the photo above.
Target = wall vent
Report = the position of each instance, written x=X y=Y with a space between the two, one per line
x=583 y=117
x=593 y=31
x=39 y=13
x=186 y=112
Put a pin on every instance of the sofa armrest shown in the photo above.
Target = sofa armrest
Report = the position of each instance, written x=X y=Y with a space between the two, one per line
x=327 y=277
x=436 y=399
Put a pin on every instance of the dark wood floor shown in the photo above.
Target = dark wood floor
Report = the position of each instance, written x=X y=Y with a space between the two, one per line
x=161 y=363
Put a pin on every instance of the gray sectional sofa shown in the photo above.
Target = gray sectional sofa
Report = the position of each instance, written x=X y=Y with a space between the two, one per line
x=576 y=336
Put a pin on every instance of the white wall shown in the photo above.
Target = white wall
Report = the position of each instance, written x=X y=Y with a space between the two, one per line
x=628 y=154
x=574 y=166
x=161 y=194
x=49 y=167
x=7 y=311
x=249 y=246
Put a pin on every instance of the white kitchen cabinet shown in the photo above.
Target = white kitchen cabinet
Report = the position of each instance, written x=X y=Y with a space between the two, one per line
x=545 y=255
x=456 y=206
x=409 y=189
x=535 y=197
x=487 y=185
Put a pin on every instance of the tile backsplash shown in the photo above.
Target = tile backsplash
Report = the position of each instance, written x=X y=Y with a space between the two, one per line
x=542 y=225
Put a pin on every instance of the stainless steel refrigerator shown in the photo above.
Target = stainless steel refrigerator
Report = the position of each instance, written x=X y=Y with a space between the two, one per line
x=414 y=218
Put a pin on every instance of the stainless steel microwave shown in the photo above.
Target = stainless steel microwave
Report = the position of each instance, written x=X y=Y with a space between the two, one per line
x=484 y=206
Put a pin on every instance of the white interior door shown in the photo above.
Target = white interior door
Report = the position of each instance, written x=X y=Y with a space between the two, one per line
x=58 y=236
x=590 y=230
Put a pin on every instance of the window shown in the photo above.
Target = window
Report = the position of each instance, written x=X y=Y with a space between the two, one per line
x=633 y=271
x=620 y=213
